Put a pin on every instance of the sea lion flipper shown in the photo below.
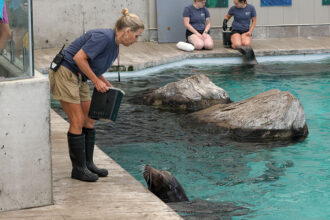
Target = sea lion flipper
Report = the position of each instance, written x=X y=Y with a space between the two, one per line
x=249 y=57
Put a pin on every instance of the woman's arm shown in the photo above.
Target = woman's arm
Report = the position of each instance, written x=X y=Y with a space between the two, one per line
x=81 y=59
x=105 y=81
x=225 y=21
x=186 y=23
x=227 y=17
x=254 y=23
x=208 y=25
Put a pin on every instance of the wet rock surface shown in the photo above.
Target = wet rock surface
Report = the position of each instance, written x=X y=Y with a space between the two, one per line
x=188 y=95
x=272 y=115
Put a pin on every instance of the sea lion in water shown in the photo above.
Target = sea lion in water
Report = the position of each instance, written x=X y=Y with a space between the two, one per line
x=249 y=58
x=164 y=185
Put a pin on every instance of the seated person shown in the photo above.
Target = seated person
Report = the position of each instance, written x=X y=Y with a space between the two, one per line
x=241 y=30
x=197 y=21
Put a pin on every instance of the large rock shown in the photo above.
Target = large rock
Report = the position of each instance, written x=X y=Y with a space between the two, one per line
x=188 y=95
x=273 y=115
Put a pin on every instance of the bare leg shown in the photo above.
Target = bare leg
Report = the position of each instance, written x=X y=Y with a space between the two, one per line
x=236 y=40
x=208 y=42
x=196 y=41
x=76 y=117
x=89 y=123
x=246 y=40
x=4 y=35
x=77 y=148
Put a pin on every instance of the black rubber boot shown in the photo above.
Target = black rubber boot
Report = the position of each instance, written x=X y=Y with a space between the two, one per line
x=78 y=159
x=89 y=143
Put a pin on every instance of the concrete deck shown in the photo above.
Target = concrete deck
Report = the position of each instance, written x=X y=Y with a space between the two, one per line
x=119 y=196
x=148 y=54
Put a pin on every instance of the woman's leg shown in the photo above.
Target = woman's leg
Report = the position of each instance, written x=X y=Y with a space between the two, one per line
x=208 y=42
x=76 y=116
x=89 y=132
x=246 y=40
x=76 y=142
x=196 y=41
x=88 y=123
x=4 y=35
x=236 y=40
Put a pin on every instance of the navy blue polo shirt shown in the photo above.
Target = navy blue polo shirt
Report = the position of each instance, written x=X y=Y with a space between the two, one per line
x=197 y=16
x=99 y=45
x=242 y=17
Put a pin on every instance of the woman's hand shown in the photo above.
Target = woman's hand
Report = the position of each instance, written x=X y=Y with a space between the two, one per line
x=204 y=36
x=81 y=59
x=105 y=81
x=249 y=33
x=224 y=24
x=100 y=86
x=200 y=36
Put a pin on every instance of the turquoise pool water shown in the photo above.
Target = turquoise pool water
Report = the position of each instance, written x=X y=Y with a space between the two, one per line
x=275 y=181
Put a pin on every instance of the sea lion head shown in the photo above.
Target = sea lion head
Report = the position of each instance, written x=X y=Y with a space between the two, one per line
x=164 y=185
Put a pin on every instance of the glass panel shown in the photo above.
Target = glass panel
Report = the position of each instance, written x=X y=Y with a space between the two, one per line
x=15 y=35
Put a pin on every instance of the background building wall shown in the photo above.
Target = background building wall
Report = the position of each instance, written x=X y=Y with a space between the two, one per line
x=61 y=21
x=301 y=12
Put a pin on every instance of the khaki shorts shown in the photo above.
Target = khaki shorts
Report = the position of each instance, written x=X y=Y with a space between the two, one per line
x=68 y=87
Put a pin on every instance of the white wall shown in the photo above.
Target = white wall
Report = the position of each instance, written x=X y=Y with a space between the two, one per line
x=301 y=12
x=61 y=21
x=25 y=153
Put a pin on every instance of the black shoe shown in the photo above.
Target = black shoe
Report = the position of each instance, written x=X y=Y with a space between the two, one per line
x=89 y=143
x=78 y=158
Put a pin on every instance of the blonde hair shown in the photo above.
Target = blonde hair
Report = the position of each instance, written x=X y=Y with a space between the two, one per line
x=129 y=20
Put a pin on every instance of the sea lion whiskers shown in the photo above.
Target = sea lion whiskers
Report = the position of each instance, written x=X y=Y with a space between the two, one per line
x=141 y=167
x=147 y=175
